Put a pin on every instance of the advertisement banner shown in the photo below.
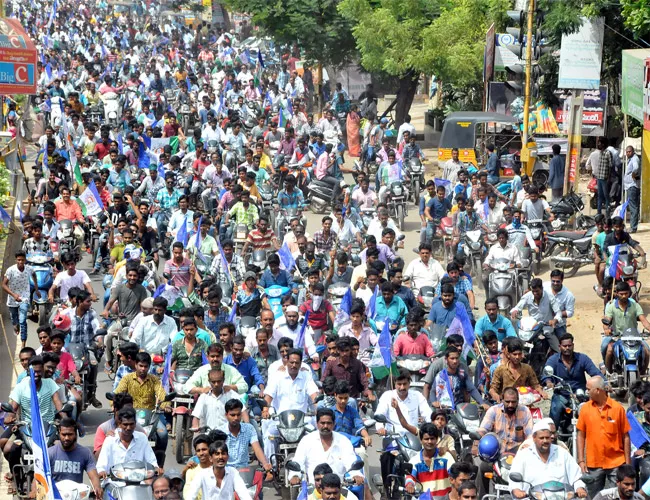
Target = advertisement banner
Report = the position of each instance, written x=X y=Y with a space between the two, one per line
x=575 y=140
x=581 y=56
x=594 y=111
x=18 y=74
x=632 y=80
x=502 y=56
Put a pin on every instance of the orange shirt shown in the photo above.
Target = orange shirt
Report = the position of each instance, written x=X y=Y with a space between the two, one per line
x=70 y=211
x=604 y=432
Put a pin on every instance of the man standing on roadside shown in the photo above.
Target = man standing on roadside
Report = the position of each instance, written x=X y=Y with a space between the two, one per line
x=632 y=186
x=556 y=173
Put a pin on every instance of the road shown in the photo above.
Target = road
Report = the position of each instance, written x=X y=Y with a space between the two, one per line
x=585 y=326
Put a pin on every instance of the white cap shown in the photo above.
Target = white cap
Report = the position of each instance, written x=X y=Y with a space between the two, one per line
x=549 y=421
x=541 y=425
x=292 y=309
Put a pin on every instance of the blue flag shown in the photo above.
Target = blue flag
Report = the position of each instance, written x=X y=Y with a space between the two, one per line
x=164 y=379
x=371 y=309
x=224 y=261
x=233 y=312
x=4 y=216
x=300 y=341
x=444 y=183
x=304 y=491
x=42 y=470
x=620 y=211
x=182 y=235
x=48 y=70
x=93 y=190
x=120 y=144
x=143 y=157
x=613 y=266
x=462 y=325
x=385 y=342
x=259 y=58
x=287 y=261
x=486 y=209
x=281 y=118
x=444 y=376
x=161 y=171
x=290 y=108
x=159 y=291
x=343 y=313
x=204 y=358
x=426 y=495
x=638 y=436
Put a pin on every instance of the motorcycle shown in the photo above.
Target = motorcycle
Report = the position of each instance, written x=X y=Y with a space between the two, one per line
x=417 y=365
x=570 y=250
x=416 y=174
x=367 y=216
x=465 y=419
x=119 y=328
x=181 y=417
x=321 y=196
x=254 y=480
x=547 y=490
x=291 y=428
x=67 y=240
x=41 y=263
x=570 y=205
x=239 y=236
x=503 y=285
x=266 y=194
x=472 y=247
x=627 y=270
x=425 y=297
x=567 y=430
x=407 y=447
x=348 y=484
x=628 y=356
x=396 y=203
x=112 y=111
x=535 y=335
x=335 y=293
x=283 y=221
x=500 y=467
x=441 y=239
x=258 y=258
x=70 y=490
x=537 y=230
x=127 y=481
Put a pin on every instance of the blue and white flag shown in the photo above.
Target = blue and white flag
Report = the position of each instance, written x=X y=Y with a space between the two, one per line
x=371 y=308
x=259 y=58
x=4 y=216
x=462 y=325
x=300 y=341
x=304 y=491
x=52 y=15
x=164 y=379
x=444 y=183
x=343 y=314
x=287 y=261
x=638 y=436
x=233 y=313
x=621 y=209
x=224 y=261
x=90 y=200
x=612 y=270
x=385 y=342
x=120 y=144
x=182 y=235
x=143 y=157
x=45 y=487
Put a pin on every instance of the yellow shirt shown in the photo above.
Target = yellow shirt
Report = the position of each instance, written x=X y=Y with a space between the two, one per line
x=189 y=477
x=265 y=161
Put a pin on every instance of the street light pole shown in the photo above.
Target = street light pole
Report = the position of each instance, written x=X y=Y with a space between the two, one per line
x=529 y=67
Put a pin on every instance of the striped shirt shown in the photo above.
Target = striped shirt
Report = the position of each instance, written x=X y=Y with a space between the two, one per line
x=22 y=395
x=259 y=241
x=435 y=477
x=238 y=445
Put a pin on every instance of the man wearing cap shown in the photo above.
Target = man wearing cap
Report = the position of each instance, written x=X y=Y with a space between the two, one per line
x=545 y=462
x=291 y=329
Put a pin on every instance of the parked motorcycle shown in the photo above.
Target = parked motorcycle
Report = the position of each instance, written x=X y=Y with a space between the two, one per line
x=568 y=207
x=571 y=250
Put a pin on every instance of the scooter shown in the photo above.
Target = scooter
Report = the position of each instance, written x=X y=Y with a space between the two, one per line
x=70 y=490
x=628 y=270
x=127 y=481
x=535 y=335
x=417 y=365
x=112 y=110
x=628 y=356
x=42 y=265
x=503 y=285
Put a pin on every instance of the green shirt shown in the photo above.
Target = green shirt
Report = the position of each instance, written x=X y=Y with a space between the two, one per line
x=208 y=246
x=623 y=319
x=261 y=176
x=243 y=215
x=204 y=335
x=192 y=361
x=232 y=377
x=22 y=395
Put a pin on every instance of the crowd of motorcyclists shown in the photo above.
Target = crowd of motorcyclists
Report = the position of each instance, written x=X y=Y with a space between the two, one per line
x=180 y=160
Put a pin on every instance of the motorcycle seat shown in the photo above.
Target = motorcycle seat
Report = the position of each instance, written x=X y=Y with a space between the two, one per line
x=570 y=235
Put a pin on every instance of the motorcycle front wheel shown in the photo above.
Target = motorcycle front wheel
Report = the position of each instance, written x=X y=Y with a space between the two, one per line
x=400 y=217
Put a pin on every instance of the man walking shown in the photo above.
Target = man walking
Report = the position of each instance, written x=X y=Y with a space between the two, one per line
x=556 y=173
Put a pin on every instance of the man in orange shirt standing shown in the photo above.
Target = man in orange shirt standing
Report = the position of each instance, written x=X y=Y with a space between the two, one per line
x=68 y=209
x=604 y=429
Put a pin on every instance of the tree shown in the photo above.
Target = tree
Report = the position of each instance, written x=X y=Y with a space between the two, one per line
x=406 y=38
x=314 y=25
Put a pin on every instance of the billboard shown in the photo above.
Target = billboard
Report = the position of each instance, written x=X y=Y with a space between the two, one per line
x=18 y=74
x=632 y=80
x=581 y=56
x=594 y=111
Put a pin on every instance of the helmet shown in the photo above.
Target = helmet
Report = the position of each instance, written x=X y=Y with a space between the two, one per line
x=127 y=250
x=488 y=447
x=62 y=322
x=135 y=254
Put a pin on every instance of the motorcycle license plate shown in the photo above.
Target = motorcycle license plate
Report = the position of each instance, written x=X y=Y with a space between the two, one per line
x=466 y=436
x=152 y=443
x=528 y=344
x=501 y=487
x=184 y=400
x=28 y=456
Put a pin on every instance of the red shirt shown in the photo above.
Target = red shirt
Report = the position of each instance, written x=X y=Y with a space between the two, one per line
x=405 y=344
x=102 y=150
x=66 y=365
x=170 y=130
x=317 y=319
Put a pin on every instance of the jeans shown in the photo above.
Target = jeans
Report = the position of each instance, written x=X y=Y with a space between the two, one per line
x=634 y=197
x=162 y=439
x=19 y=317
x=493 y=179
x=603 y=195
x=603 y=478
x=558 y=404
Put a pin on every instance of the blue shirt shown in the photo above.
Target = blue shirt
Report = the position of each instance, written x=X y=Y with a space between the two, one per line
x=438 y=209
x=493 y=165
x=238 y=446
x=441 y=315
x=248 y=369
x=556 y=172
x=282 y=279
x=501 y=323
x=348 y=421
x=396 y=310
x=575 y=376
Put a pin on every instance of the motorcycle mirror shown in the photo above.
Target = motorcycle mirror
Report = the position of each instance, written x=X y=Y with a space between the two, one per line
x=381 y=419
x=293 y=466
x=67 y=408
x=369 y=422
x=401 y=237
x=170 y=396
x=100 y=333
x=548 y=371
x=7 y=408
x=167 y=276
x=587 y=479
x=516 y=477
x=474 y=435
x=357 y=465
x=110 y=396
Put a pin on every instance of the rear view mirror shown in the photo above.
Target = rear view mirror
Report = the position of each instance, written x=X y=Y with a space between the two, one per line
x=293 y=466
x=516 y=477
x=7 y=408
x=110 y=396
x=381 y=419
x=475 y=436
x=357 y=465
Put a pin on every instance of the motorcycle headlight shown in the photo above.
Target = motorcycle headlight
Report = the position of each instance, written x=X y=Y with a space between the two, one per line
x=78 y=364
x=415 y=169
x=556 y=224
x=526 y=335
x=628 y=270
x=291 y=435
x=535 y=232
x=475 y=245
x=397 y=191
x=252 y=491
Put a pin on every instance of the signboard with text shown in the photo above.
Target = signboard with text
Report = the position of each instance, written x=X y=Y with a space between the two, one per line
x=632 y=80
x=18 y=56
x=594 y=111
x=581 y=56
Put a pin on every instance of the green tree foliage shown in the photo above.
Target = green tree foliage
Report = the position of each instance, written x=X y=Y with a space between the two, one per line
x=314 y=25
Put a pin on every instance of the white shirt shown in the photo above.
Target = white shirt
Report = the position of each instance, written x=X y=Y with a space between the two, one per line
x=291 y=394
x=403 y=128
x=210 y=409
x=450 y=170
x=113 y=451
x=310 y=452
x=413 y=408
x=518 y=236
x=510 y=252
x=277 y=364
x=564 y=299
x=153 y=337
x=375 y=228
x=422 y=274
x=285 y=331
x=348 y=232
x=205 y=482
x=560 y=467
x=631 y=167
